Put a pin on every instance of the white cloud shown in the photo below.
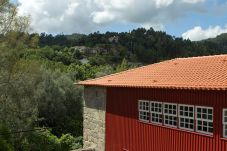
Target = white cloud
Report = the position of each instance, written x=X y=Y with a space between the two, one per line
x=157 y=27
x=163 y=3
x=197 y=33
x=102 y=17
x=194 y=1
x=85 y=16
x=71 y=8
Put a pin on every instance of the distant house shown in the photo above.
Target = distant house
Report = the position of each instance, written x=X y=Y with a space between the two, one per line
x=175 y=105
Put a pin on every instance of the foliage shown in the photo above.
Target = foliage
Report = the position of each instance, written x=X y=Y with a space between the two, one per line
x=68 y=142
x=45 y=141
x=123 y=66
x=10 y=20
x=60 y=103
x=145 y=46
x=103 y=70
x=32 y=96
x=18 y=80
x=5 y=139
x=41 y=141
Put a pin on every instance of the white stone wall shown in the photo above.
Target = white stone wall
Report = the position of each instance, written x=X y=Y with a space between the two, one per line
x=94 y=117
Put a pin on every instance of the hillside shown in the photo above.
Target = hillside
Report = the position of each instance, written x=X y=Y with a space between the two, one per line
x=139 y=45
x=219 y=39
x=220 y=43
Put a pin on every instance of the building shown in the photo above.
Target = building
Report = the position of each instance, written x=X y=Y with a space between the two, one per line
x=175 y=105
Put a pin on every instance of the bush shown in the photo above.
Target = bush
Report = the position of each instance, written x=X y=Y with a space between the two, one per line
x=41 y=141
x=5 y=139
x=68 y=142
x=46 y=141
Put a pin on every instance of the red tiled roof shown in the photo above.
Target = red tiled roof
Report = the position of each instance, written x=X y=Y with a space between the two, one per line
x=206 y=72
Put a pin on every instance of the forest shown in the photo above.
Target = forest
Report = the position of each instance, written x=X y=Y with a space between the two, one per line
x=40 y=105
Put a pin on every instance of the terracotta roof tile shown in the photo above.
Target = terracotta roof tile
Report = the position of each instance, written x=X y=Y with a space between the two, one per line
x=207 y=72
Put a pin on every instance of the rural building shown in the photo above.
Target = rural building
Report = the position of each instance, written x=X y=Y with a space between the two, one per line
x=175 y=105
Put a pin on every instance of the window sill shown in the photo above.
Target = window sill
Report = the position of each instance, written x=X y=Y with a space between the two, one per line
x=178 y=129
x=223 y=139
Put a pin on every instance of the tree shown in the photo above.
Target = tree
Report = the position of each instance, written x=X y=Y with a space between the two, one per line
x=5 y=139
x=10 y=20
x=18 y=77
x=123 y=66
x=18 y=105
x=60 y=104
x=34 y=41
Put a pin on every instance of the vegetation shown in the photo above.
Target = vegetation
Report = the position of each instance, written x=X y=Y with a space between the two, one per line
x=40 y=107
x=138 y=46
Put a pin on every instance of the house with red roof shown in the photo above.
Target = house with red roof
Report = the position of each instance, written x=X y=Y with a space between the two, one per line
x=175 y=105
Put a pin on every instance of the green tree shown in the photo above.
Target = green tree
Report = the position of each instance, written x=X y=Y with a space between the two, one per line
x=123 y=66
x=18 y=77
x=60 y=104
x=10 y=20
x=41 y=141
x=18 y=105
x=5 y=139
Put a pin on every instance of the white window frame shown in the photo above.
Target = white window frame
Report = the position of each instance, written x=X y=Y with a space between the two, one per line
x=204 y=120
x=145 y=111
x=167 y=114
x=186 y=117
x=223 y=122
x=156 y=112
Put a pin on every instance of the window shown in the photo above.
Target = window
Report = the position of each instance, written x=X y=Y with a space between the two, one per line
x=144 y=110
x=182 y=116
x=186 y=117
x=204 y=119
x=170 y=114
x=224 y=122
x=156 y=112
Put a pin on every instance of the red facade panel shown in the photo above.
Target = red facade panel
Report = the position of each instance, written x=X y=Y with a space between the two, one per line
x=124 y=132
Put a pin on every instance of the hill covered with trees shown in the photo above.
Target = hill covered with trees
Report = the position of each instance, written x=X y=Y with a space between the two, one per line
x=139 y=45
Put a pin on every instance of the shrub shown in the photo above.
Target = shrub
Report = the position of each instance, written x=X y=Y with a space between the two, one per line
x=5 y=139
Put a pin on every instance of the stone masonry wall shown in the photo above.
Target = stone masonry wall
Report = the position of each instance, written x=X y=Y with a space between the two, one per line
x=94 y=118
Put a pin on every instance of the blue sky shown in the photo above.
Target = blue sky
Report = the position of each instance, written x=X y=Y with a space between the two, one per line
x=193 y=19
x=204 y=20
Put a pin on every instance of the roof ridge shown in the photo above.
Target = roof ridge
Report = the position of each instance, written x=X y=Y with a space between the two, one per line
x=199 y=57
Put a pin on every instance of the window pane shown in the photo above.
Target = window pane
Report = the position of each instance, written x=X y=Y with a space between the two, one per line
x=210 y=117
x=225 y=113
x=204 y=116
x=204 y=110
x=210 y=111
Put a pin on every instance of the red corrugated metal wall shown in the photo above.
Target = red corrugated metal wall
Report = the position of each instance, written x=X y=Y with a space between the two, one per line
x=125 y=133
